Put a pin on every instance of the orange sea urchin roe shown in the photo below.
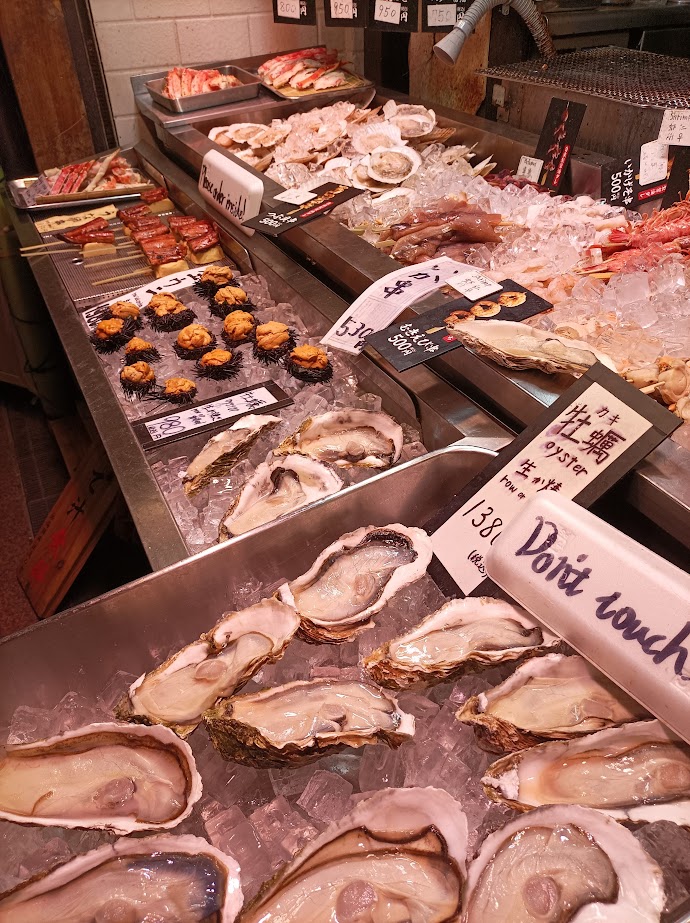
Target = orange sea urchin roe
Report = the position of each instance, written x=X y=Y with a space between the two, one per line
x=309 y=357
x=109 y=328
x=164 y=303
x=193 y=336
x=124 y=309
x=138 y=373
x=179 y=386
x=215 y=358
x=231 y=294
x=238 y=325
x=272 y=335
x=218 y=275
x=137 y=344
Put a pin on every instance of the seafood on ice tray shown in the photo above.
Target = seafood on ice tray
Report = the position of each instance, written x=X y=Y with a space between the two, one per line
x=310 y=69
x=186 y=81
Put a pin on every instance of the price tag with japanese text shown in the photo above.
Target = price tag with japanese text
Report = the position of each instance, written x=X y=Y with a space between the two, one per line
x=393 y=15
x=344 y=12
x=284 y=214
x=474 y=285
x=579 y=447
x=530 y=168
x=675 y=127
x=440 y=15
x=295 y=12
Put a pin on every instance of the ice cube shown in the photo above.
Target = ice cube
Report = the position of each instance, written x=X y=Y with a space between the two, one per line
x=381 y=767
x=326 y=796
x=74 y=711
x=115 y=689
x=29 y=724
x=281 y=829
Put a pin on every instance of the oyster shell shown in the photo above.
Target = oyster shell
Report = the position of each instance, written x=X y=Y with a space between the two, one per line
x=399 y=856
x=106 y=776
x=301 y=721
x=518 y=346
x=373 y=135
x=222 y=452
x=354 y=578
x=413 y=121
x=463 y=636
x=347 y=438
x=548 y=698
x=277 y=488
x=161 y=878
x=179 y=691
x=637 y=772
x=563 y=863
x=393 y=165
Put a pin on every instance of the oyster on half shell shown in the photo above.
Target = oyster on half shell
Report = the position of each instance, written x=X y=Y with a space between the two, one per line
x=166 y=879
x=463 y=636
x=518 y=346
x=636 y=772
x=354 y=578
x=106 y=776
x=555 y=697
x=301 y=721
x=399 y=856
x=413 y=121
x=564 y=863
x=347 y=438
x=392 y=165
x=179 y=691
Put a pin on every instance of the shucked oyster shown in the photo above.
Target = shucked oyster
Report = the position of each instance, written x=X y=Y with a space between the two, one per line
x=412 y=120
x=365 y=438
x=399 y=856
x=637 y=772
x=300 y=721
x=463 y=636
x=277 y=488
x=166 y=879
x=392 y=165
x=559 y=864
x=108 y=776
x=548 y=698
x=354 y=578
x=179 y=691
x=222 y=452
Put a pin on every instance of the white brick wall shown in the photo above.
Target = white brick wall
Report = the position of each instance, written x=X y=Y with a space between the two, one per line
x=137 y=36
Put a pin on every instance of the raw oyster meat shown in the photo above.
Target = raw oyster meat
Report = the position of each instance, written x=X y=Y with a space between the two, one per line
x=346 y=438
x=548 y=698
x=166 y=879
x=393 y=164
x=518 y=346
x=108 y=776
x=560 y=864
x=399 y=856
x=222 y=452
x=179 y=691
x=301 y=721
x=277 y=488
x=463 y=636
x=354 y=578
x=413 y=121
x=636 y=772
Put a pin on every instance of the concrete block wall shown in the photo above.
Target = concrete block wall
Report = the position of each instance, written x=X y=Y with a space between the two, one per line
x=138 y=36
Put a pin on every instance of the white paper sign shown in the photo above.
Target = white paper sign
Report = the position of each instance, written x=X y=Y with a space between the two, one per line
x=530 y=168
x=295 y=196
x=186 y=420
x=624 y=608
x=387 y=11
x=474 y=285
x=675 y=127
x=441 y=14
x=653 y=162
x=589 y=435
x=386 y=299
x=290 y=10
x=230 y=189
x=341 y=9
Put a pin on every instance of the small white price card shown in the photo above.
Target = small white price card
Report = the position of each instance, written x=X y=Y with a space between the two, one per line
x=289 y=9
x=675 y=127
x=474 y=285
x=653 y=162
x=295 y=196
x=185 y=420
x=387 y=11
x=441 y=14
x=530 y=168
x=341 y=9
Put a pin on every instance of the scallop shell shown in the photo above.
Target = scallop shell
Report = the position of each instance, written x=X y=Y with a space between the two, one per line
x=366 y=138
x=413 y=121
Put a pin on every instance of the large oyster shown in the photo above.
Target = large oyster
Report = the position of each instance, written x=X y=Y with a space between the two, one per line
x=277 y=488
x=108 y=776
x=637 y=772
x=179 y=691
x=354 y=578
x=222 y=452
x=399 y=856
x=412 y=120
x=392 y=164
x=559 y=864
x=373 y=135
x=300 y=721
x=166 y=879
x=548 y=698
x=366 y=438
x=463 y=636
x=517 y=346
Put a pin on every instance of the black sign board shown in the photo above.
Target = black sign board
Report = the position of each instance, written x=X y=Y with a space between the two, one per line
x=621 y=181
x=282 y=216
x=345 y=12
x=393 y=15
x=679 y=179
x=442 y=15
x=295 y=12
x=557 y=139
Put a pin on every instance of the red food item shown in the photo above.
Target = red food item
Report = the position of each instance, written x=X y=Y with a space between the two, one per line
x=154 y=195
x=96 y=224
x=141 y=208
x=104 y=236
x=181 y=221
x=199 y=244
x=195 y=230
x=166 y=254
x=143 y=221
x=142 y=234
x=186 y=81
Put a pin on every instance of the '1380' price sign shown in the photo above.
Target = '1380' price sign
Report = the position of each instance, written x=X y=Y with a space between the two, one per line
x=393 y=15
x=294 y=11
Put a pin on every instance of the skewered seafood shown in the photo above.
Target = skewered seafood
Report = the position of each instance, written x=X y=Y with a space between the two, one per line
x=346 y=438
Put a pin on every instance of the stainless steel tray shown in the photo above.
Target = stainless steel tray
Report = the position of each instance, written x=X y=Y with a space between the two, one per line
x=19 y=193
x=250 y=88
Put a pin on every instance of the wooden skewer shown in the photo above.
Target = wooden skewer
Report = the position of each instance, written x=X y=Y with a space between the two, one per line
x=127 y=275
x=52 y=243
x=115 y=259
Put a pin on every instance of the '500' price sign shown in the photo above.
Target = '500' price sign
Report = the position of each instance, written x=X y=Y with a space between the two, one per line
x=393 y=15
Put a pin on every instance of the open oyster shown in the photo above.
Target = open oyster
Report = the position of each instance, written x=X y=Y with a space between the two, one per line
x=345 y=438
x=373 y=135
x=179 y=691
x=107 y=776
x=393 y=164
x=637 y=772
x=354 y=578
x=167 y=879
x=518 y=346
x=564 y=863
x=222 y=452
x=463 y=636
x=399 y=856
x=413 y=121
x=548 y=698
x=277 y=488
x=301 y=721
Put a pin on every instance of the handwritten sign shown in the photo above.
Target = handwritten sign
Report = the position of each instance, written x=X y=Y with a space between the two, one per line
x=344 y=13
x=675 y=127
x=620 y=605
x=293 y=12
x=230 y=189
x=530 y=168
x=474 y=285
x=440 y=15
x=62 y=222
x=393 y=15
x=653 y=162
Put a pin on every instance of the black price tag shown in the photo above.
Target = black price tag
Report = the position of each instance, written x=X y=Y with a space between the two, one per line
x=295 y=12
x=557 y=139
x=442 y=15
x=640 y=178
x=393 y=15
x=679 y=179
x=345 y=12
x=282 y=216
x=425 y=337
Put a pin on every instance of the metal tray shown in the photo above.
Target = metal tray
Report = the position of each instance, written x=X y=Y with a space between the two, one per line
x=19 y=190
x=356 y=83
x=250 y=88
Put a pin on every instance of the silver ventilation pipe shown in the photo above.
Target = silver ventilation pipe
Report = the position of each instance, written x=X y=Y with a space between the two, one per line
x=450 y=46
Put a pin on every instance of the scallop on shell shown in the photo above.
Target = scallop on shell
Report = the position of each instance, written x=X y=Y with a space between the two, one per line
x=393 y=165
x=376 y=135
x=348 y=438
x=413 y=121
